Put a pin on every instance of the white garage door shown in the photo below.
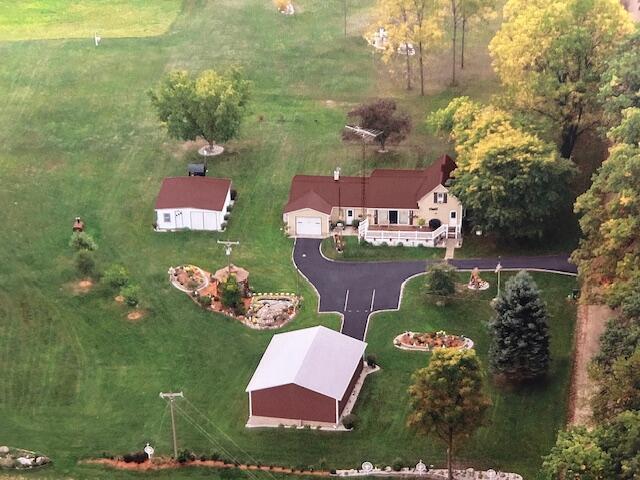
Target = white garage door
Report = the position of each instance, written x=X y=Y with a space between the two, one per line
x=210 y=222
x=308 y=226
x=197 y=221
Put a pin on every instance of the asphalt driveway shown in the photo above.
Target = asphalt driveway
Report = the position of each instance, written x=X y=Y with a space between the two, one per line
x=357 y=289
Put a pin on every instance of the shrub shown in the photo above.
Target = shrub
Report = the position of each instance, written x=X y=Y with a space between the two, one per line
x=214 y=456
x=227 y=216
x=116 y=276
x=397 y=464
x=441 y=279
x=229 y=208
x=85 y=263
x=234 y=194
x=230 y=294
x=355 y=223
x=223 y=225
x=372 y=360
x=350 y=421
x=185 y=456
x=135 y=457
x=205 y=300
x=82 y=241
x=131 y=293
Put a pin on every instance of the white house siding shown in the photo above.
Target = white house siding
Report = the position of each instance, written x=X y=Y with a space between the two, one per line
x=189 y=219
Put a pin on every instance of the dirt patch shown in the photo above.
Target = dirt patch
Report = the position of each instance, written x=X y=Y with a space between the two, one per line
x=81 y=286
x=590 y=325
x=119 y=299
x=136 y=315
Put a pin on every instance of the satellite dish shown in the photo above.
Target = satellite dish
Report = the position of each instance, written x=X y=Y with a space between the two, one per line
x=421 y=467
x=367 y=466
x=149 y=450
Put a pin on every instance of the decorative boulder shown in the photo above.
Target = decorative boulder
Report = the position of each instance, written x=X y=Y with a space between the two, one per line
x=7 y=462
x=4 y=450
x=25 y=462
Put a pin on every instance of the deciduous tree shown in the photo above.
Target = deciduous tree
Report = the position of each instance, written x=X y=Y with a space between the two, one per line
x=472 y=10
x=577 y=455
x=210 y=105
x=441 y=280
x=448 y=399
x=519 y=332
x=620 y=82
x=551 y=55
x=415 y=22
x=618 y=389
x=384 y=116
x=506 y=177
x=608 y=256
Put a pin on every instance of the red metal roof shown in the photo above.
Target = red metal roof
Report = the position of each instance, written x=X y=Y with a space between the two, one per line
x=384 y=188
x=205 y=193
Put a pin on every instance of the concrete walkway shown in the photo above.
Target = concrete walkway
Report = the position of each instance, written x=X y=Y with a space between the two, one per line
x=357 y=289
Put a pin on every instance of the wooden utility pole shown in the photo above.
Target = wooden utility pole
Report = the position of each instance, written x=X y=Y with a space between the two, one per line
x=171 y=398
x=228 y=246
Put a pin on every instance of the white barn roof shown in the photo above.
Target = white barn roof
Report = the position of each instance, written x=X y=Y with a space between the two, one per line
x=317 y=358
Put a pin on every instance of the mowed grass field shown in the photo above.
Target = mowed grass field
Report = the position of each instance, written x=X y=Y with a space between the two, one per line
x=78 y=137
x=46 y=19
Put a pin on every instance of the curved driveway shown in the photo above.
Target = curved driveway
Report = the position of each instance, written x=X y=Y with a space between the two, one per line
x=357 y=289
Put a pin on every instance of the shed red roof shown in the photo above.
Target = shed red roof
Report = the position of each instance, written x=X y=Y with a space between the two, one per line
x=384 y=188
x=205 y=193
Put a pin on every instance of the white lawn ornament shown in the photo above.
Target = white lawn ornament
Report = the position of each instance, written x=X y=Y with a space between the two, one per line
x=406 y=49
x=491 y=474
x=97 y=38
x=380 y=39
x=421 y=468
x=367 y=467
x=149 y=450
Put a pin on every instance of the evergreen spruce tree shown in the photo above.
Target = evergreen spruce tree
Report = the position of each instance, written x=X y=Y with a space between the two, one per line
x=519 y=348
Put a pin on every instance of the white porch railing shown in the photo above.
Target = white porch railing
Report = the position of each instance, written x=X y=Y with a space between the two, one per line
x=411 y=235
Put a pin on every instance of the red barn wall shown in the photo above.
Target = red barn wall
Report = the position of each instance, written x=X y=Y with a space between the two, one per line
x=293 y=402
x=349 y=389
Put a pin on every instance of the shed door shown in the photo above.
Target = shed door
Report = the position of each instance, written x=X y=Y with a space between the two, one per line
x=210 y=222
x=308 y=226
x=197 y=221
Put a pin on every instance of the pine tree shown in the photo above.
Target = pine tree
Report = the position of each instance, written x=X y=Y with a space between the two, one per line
x=519 y=333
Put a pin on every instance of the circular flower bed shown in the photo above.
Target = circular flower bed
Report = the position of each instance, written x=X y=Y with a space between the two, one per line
x=188 y=278
x=430 y=340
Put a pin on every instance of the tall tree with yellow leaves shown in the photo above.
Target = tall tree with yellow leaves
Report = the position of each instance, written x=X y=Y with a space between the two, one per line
x=551 y=54
x=408 y=23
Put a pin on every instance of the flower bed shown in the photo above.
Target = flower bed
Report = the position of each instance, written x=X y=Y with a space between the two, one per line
x=430 y=340
x=18 y=459
x=261 y=311
x=188 y=278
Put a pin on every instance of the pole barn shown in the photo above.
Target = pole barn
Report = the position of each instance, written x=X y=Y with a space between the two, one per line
x=305 y=376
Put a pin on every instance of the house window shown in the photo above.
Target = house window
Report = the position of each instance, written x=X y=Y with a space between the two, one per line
x=393 y=216
x=167 y=217
x=349 y=213
x=439 y=197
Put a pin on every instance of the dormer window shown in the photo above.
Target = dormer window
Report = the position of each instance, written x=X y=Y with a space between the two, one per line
x=439 y=197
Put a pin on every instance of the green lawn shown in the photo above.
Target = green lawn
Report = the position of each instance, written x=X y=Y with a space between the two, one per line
x=357 y=252
x=43 y=19
x=78 y=137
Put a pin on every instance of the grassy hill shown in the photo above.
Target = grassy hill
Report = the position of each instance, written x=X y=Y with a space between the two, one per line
x=78 y=137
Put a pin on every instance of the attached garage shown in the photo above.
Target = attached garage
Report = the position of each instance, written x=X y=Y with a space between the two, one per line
x=305 y=376
x=308 y=226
